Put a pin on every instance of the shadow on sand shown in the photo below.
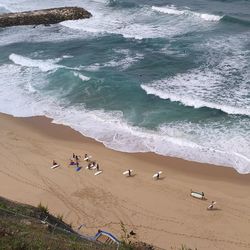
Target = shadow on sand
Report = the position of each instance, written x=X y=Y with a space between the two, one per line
x=214 y=209
x=132 y=175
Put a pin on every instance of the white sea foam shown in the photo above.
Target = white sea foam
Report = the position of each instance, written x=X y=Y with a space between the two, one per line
x=43 y=65
x=81 y=76
x=122 y=63
x=125 y=62
x=67 y=56
x=193 y=101
x=223 y=86
x=168 y=10
x=210 y=143
x=172 y=10
x=137 y=23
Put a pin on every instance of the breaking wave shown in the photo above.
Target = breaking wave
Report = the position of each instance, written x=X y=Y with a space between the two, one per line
x=172 y=10
x=194 y=102
x=81 y=76
x=43 y=65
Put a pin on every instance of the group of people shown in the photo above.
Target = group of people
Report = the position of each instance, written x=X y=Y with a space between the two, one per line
x=91 y=164
x=75 y=160
x=94 y=165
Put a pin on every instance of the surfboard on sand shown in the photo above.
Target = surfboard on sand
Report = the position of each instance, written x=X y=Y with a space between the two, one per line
x=126 y=172
x=87 y=158
x=98 y=172
x=55 y=166
x=198 y=195
x=211 y=205
x=155 y=175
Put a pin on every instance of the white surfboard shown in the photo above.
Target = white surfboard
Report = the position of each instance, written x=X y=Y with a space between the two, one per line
x=55 y=166
x=126 y=172
x=87 y=158
x=197 y=195
x=98 y=172
x=211 y=205
x=155 y=175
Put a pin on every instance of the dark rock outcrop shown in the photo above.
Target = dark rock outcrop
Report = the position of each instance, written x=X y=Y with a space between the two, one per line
x=46 y=16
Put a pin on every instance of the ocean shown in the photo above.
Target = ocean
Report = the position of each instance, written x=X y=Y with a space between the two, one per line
x=170 y=77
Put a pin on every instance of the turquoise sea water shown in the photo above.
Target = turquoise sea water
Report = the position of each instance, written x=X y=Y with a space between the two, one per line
x=171 y=77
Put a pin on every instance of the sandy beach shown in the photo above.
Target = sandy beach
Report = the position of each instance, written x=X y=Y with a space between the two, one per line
x=160 y=212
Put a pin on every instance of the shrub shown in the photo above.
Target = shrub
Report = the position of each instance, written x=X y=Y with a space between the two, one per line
x=43 y=208
x=60 y=217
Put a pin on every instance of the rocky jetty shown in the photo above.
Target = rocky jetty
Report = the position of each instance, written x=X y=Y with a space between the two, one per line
x=45 y=16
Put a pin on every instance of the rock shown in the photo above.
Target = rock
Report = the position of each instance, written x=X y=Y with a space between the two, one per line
x=46 y=16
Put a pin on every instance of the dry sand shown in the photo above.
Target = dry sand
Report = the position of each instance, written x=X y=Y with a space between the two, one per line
x=160 y=212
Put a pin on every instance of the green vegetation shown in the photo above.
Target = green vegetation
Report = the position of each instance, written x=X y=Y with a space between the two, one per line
x=42 y=208
x=21 y=229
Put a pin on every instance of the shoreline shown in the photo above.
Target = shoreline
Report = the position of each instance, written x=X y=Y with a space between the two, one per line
x=44 y=125
x=161 y=212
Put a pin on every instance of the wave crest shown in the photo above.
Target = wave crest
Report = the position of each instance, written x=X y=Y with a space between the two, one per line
x=81 y=76
x=172 y=10
x=194 y=102
x=43 y=65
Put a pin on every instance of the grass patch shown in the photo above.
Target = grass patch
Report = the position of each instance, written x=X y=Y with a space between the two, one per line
x=42 y=208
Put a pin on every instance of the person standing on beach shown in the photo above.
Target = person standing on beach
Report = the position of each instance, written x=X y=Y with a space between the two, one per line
x=89 y=166
x=74 y=156
x=97 y=167
x=158 y=176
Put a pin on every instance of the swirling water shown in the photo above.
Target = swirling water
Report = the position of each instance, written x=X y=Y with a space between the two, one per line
x=171 y=77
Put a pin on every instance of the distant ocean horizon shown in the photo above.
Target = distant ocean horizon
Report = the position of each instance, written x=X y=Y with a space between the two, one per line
x=170 y=77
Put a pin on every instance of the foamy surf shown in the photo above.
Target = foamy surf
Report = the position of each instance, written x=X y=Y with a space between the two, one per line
x=139 y=23
x=122 y=63
x=81 y=76
x=186 y=140
x=172 y=10
x=194 y=102
x=43 y=65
